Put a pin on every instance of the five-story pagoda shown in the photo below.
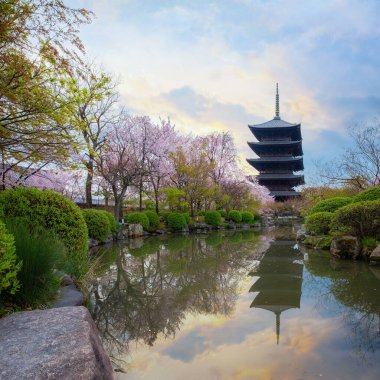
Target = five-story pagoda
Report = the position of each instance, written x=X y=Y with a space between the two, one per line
x=279 y=148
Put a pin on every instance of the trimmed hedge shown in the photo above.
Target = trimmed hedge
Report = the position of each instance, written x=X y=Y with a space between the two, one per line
x=371 y=194
x=235 y=216
x=361 y=219
x=9 y=265
x=176 y=221
x=98 y=224
x=330 y=205
x=52 y=211
x=111 y=220
x=213 y=218
x=138 y=218
x=154 y=219
x=319 y=223
x=247 y=217
x=223 y=213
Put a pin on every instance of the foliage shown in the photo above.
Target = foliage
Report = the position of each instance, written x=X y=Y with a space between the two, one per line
x=41 y=254
x=330 y=205
x=154 y=220
x=371 y=194
x=111 y=220
x=98 y=224
x=46 y=209
x=39 y=45
x=322 y=242
x=138 y=218
x=176 y=221
x=149 y=204
x=370 y=243
x=9 y=264
x=187 y=217
x=213 y=218
x=235 y=216
x=223 y=213
x=361 y=219
x=247 y=217
x=319 y=223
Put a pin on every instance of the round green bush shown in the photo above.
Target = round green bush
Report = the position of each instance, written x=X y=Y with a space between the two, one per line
x=52 y=211
x=176 y=221
x=154 y=220
x=98 y=224
x=361 y=219
x=371 y=194
x=319 y=223
x=330 y=205
x=9 y=265
x=247 y=217
x=223 y=213
x=138 y=218
x=213 y=218
x=187 y=217
x=235 y=216
x=111 y=220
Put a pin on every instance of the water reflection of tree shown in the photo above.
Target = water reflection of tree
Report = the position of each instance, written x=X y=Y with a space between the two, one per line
x=150 y=287
x=357 y=290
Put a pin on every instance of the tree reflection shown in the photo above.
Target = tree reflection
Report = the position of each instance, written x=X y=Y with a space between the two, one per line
x=356 y=288
x=151 y=286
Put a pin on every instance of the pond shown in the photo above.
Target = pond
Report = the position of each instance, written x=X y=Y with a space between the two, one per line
x=236 y=305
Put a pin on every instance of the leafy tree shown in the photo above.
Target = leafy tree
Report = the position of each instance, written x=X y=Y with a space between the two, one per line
x=39 y=46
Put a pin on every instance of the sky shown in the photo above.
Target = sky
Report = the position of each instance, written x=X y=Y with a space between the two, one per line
x=213 y=65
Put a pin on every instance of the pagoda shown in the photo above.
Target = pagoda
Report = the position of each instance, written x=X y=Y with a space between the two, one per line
x=279 y=148
x=279 y=284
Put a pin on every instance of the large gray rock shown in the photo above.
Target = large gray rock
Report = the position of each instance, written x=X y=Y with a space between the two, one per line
x=135 y=230
x=375 y=255
x=59 y=344
x=346 y=247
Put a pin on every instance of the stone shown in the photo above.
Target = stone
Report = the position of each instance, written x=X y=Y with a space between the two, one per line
x=375 y=255
x=346 y=247
x=301 y=234
x=135 y=230
x=60 y=344
x=69 y=296
x=93 y=243
x=67 y=280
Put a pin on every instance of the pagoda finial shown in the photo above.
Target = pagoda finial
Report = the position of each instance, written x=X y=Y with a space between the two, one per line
x=277 y=117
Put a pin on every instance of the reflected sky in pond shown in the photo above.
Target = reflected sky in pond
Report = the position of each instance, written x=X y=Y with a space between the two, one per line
x=237 y=305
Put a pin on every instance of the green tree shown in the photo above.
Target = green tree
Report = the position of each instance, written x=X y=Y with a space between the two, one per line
x=39 y=47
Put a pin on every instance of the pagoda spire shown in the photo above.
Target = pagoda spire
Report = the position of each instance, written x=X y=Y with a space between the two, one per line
x=277 y=117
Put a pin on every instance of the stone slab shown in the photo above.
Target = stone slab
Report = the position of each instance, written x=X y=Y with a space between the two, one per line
x=59 y=344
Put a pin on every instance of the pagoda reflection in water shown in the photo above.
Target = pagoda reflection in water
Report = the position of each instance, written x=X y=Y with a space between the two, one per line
x=280 y=279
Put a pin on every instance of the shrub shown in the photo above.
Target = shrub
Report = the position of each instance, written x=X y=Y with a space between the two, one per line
x=111 y=220
x=247 y=217
x=371 y=194
x=187 y=217
x=361 y=219
x=330 y=205
x=176 y=221
x=98 y=224
x=235 y=216
x=41 y=254
x=138 y=218
x=48 y=210
x=213 y=217
x=154 y=220
x=319 y=223
x=9 y=265
x=223 y=213
x=164 y=215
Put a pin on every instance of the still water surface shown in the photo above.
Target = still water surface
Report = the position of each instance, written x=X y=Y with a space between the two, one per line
x=243 y=305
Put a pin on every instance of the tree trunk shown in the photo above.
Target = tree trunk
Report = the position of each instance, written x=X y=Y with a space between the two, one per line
x=90 y=175
x=140 y=194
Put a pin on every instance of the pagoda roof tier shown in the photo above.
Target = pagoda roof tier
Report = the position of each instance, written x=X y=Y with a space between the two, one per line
x=278 y=179
x=272 y=148
x=276 y=129
x=284 y=194
x=280 y=163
